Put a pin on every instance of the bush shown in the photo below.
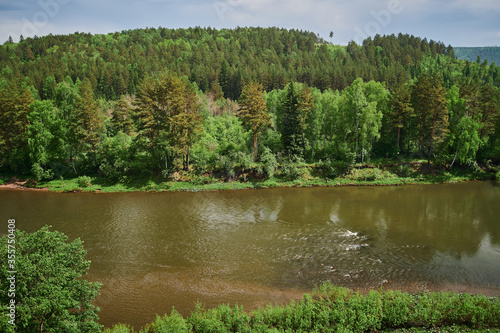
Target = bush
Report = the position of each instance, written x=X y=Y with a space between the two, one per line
x=227 y=166
x=119 y=328
x=84 y=181
x=403 y=170
x=40 y=173
x=291 y=171
x=269 y=162
x=368 y=174
x=330 y=169
x=174 y=323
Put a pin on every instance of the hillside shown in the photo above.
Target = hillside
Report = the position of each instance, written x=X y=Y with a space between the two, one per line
x=159 y=102
x=115 y=63
x=490 y=53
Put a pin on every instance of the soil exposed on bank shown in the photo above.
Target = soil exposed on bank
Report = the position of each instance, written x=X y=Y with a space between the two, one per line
x=21 y=185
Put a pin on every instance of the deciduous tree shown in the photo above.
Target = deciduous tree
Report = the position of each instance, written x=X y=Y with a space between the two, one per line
x=51 y=293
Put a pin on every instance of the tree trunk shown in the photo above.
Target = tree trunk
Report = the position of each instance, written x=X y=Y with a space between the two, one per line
x=454 y=158
x=255 y=147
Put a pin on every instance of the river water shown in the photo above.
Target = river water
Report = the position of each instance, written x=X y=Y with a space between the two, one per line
x=155 y=251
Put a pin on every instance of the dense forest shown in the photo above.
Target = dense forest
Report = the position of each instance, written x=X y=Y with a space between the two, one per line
x=479 y=54
x=154 y=101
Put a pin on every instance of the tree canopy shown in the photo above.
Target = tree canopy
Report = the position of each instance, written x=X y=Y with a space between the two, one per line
x=51 y=294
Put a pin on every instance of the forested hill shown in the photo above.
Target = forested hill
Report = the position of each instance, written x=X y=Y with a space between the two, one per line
x=115 y=63
x=151 y=102
x=489 y=53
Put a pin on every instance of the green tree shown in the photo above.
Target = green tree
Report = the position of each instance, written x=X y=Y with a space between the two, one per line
x=431 y=107
x=363 y=117
x=122 y=117
x=466 y=141
x=186 y=123
x=401 y=111
x=45 y=138
x=49 y=86
x=66 y=99
x=14 y=109
x=253 y=111
x=51 y=294
x=306 y=106
x=291 y=128
x=169 y=118
x=87 y=124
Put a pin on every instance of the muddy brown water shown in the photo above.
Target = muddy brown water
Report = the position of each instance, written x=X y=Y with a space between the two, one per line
x=155 y=251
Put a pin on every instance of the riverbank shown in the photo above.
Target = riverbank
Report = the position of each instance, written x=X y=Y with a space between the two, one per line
x=335 y=309
x=299 y=175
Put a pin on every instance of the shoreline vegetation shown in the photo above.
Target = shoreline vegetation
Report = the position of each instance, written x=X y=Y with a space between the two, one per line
x=382 y=173
x=336 y=309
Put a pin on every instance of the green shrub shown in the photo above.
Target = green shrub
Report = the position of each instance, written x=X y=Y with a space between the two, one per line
x=269 y=162
x=84 y=181
x=329 y=169
x=174 y=323
x=403 y=170
x=119 y=328
x=40 y=173
x=219 y=320
x=227 y=166
x=368 y=174
x=396 y=308
x=292 y=169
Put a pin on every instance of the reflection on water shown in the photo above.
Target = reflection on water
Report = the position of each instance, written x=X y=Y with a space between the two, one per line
x=153 y=251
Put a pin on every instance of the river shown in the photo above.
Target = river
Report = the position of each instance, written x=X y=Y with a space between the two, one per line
x=155 y=251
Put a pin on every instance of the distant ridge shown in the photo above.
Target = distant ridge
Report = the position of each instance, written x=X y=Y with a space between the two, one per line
x=491 y=53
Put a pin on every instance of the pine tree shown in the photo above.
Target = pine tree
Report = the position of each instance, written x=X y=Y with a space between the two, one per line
x=431 y=106
x=168 y=115
x=122 y=117
x=402 y=111
x=253 y=111
x=291 y=129
x=14 y=110
x=88 y=123
x=224 y=79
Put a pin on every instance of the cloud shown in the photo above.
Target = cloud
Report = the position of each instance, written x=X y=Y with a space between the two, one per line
x=454 y=21
x=488 y=5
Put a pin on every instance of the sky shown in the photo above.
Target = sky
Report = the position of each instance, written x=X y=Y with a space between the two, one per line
x=455 y=22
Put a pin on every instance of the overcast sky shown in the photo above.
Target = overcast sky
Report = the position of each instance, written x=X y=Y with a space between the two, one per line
x=455 y=22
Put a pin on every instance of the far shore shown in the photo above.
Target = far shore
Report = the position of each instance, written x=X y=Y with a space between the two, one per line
x=304 y=175
x=70 y=186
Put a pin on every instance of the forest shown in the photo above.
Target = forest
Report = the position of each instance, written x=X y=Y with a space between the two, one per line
x=151 y=102
x=479 y=54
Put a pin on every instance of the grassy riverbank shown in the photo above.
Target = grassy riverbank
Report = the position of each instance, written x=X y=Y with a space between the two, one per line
x=336 y=309
x=292 y=175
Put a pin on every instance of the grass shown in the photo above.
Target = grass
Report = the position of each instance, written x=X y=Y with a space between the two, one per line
x=336 y=309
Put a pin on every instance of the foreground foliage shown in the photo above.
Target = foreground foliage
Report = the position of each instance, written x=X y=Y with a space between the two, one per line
x=49 y=292
x=335 y=309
